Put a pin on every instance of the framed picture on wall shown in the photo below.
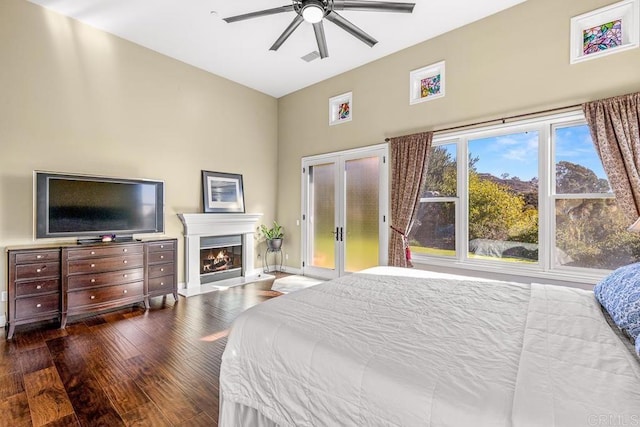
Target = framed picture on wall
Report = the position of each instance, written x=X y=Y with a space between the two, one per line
x=222 y=192
x=426 y=83
x=604 y=31
x=341 y=109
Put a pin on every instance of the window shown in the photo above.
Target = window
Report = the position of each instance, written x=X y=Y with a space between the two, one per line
x=590 y=230
x=434 y=229
x=531 y=197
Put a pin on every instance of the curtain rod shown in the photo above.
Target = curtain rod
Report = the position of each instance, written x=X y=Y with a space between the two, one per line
x=504 y=119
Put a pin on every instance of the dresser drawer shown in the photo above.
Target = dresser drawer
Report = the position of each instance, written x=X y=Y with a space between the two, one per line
x=35 y=257
x=36 y=306
x=107 y=294
x=38 y=270
x=160 y=270
x=35 y=287
x=80 y=281
x=162 y=283
x=162 y=256
x=106 y=251
x=105 y=264
x=168 y=245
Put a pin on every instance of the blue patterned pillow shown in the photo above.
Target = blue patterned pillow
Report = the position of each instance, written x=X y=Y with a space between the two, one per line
x=619 y=294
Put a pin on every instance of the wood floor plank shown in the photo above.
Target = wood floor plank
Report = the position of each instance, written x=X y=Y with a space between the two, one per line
x=11 y=384
x=48 y=400
x=130 y=366
x=15 y=411
x=173 y=403
x=35 y=360
x=144 y=416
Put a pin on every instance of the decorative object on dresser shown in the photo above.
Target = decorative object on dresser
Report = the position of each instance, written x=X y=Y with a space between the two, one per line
x=55 y=282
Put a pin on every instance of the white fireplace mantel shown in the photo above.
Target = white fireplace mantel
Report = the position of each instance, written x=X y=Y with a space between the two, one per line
x=214 y=224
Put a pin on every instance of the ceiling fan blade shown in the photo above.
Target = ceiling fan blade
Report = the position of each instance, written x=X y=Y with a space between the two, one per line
x=351 y=28
x=318 y=28
x=265 y=12
x=373 y=6
x=287 y=32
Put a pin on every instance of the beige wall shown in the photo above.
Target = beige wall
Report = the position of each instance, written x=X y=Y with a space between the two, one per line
x=76 y=99
x=513 y=62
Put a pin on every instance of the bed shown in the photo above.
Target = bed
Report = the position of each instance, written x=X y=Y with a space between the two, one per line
x=404 y=347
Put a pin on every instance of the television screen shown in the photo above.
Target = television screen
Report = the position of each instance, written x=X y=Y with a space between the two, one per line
x=73 y=205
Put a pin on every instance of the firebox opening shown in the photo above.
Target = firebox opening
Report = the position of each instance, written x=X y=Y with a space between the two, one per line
x=220 y=258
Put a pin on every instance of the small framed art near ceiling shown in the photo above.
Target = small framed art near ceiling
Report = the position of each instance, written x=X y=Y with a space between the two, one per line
x=610 y=29
x=340 y=109
x=426 y=83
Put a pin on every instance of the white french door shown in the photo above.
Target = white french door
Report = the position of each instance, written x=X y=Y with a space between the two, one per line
x=344 y=206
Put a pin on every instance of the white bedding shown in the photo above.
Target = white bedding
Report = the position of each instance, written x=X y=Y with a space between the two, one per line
x=373 y=349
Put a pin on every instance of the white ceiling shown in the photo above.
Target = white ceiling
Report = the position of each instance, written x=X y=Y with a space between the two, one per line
x=193 y=32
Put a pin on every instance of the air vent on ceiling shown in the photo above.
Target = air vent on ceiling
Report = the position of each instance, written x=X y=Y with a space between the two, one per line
x=311 y=56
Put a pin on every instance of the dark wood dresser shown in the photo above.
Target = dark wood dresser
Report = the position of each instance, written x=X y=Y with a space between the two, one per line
x=54 y=282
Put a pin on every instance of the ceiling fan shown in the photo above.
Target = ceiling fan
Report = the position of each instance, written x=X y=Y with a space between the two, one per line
x=314 y=11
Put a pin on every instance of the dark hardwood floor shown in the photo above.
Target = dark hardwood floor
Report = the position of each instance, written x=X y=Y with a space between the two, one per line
x=129 y=367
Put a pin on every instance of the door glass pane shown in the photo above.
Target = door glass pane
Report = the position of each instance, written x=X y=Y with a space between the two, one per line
x=503 y=197
x=322 y=199
x=362 y=213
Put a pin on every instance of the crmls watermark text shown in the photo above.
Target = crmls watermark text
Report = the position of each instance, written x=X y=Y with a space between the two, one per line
x=613 y=420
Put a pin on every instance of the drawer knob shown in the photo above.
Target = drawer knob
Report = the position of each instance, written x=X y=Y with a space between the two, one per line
x=161 y=246
x=93 y=265
x=125 y=275
x=125 y=250
x=161 y=256
x=38 y=256
x=162 y=269
x=38 y=270
x=161 y=283
x=38 y=305
x=125 y=261
x=92 y=297
x=39 y=287
x=124 y=292
x=93 y=252
x=93 y=280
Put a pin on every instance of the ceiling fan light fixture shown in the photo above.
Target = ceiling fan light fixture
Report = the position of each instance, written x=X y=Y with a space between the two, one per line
x=312 y=11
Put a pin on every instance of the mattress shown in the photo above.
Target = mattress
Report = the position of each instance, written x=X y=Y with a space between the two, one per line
x=403 y=347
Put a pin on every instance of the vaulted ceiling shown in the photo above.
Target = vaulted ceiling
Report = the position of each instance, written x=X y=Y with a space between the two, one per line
x=194 y=32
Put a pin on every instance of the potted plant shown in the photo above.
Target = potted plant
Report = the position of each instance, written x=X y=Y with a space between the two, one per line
x=273 y=235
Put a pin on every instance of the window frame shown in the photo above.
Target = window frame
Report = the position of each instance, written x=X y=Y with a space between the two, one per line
x=545 y=125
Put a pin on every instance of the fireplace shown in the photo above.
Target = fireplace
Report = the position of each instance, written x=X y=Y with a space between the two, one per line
x=220 y=258
x=219 y=251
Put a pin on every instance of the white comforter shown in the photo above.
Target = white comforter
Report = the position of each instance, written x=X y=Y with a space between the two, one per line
x=379 y=350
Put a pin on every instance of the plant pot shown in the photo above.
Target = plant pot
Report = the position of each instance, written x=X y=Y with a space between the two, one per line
x=274 y=244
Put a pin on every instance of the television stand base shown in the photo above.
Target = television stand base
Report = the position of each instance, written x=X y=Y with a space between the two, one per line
x=108 y=238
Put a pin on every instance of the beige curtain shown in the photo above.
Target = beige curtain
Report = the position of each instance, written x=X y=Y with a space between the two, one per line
x=615 y=129
x=408 y=161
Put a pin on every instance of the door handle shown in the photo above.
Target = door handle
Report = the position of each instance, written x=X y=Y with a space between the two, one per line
x=341 y=236
x=337 y=233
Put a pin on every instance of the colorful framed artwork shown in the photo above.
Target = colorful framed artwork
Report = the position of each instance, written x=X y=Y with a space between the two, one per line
x=222 y=192
x=340 y=109
x=427 y=83
x=604 y=31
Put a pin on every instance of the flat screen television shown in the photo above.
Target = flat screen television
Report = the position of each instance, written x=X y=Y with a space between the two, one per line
x=93 y=207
